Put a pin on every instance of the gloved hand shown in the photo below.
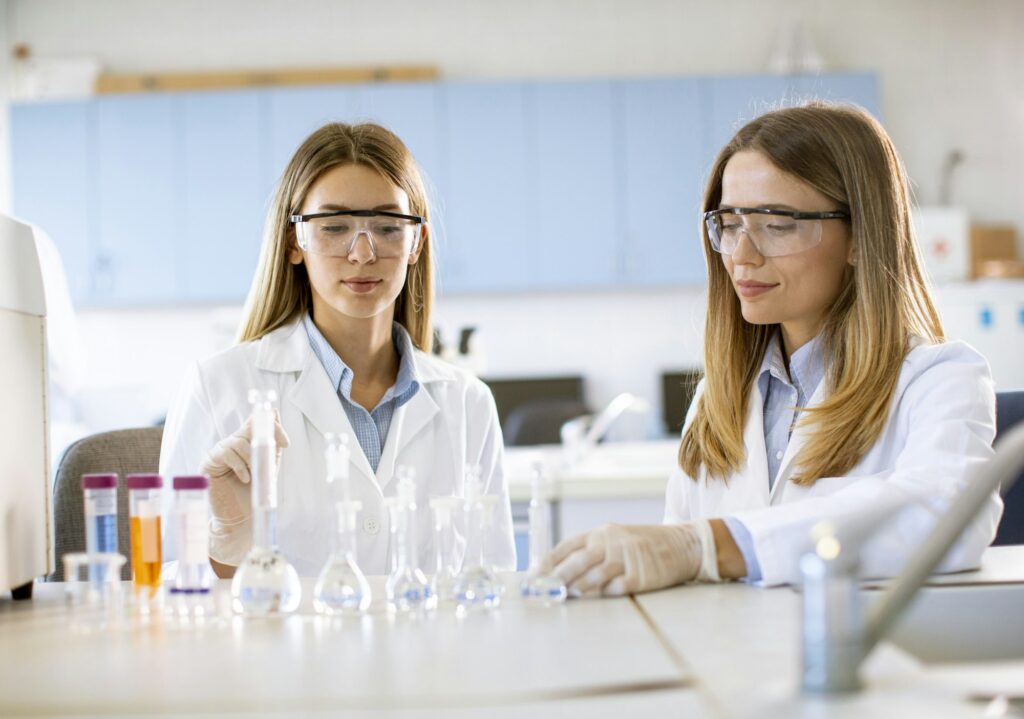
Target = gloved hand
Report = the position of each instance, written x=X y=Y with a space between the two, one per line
x=227 y=466
x=614 y=560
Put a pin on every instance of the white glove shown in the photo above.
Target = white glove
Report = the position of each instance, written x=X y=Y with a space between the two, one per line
x=227 y=466
x=614 y=560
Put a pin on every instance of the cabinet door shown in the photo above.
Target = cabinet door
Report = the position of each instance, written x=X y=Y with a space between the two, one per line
x=663 y=179
x=858 y=88
x=295 y=112
x=51 y=181
x=488 y=208
x=226 y=195
x=576 y=196
x=138 y=155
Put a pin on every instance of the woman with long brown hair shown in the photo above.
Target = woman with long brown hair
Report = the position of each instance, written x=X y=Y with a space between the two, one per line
x=829 y=388
x=338 y=324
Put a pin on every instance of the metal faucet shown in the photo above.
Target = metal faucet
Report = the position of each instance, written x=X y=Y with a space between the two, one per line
x=581 y=435
x=837 y=634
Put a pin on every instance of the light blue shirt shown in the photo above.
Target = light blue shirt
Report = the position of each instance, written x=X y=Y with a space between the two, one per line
x=785 y=394
x=371 y=428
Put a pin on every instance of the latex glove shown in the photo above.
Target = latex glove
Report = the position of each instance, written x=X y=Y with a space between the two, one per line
x=227 y=466
x=614 y=560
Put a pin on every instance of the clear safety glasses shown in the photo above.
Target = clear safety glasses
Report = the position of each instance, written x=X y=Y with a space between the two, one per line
x=334 y=234
x=774 y=232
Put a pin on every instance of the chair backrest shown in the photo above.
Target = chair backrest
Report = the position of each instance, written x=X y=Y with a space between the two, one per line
x=540 y=421
x=124 y=451
x=1010 y=411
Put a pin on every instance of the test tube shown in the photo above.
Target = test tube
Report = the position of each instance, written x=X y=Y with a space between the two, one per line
x=190 y=598
x=100 y=494
x=144 y=502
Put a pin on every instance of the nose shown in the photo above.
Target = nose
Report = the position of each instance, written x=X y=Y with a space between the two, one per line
x=363 y=252
x=746 y=252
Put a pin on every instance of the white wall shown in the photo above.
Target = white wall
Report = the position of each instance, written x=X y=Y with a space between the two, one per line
x=952 y=78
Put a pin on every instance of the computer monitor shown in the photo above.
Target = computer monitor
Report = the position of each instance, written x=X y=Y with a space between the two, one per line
x=26 y=531
x=512 y=392
x=677 y=388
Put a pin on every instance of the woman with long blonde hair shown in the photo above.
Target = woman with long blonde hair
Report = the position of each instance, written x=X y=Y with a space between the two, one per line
x=338 y=324
x=830 y=390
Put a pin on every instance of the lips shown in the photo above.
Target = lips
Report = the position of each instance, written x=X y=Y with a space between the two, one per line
x=749 y=289
x=361 y=285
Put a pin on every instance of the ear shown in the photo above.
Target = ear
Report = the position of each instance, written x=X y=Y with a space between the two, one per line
x=294 y=251
x=424 y=238
x=851 y=256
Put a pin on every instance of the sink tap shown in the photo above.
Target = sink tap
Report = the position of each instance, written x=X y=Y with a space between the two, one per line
x=837 y=634
x=581 y=435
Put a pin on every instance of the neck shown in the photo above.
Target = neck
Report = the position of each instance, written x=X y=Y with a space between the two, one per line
x=365 y=345
x=796 y=334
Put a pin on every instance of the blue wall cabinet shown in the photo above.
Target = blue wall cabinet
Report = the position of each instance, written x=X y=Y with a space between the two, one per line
x=293 y=113
x=227 y=186
x=576 y=212
x=663 y=136
x=488 y=205
x=53 y=184
x=139 y=220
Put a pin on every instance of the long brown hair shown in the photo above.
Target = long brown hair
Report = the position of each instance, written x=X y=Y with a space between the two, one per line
x=845 y=154
x=280 y=290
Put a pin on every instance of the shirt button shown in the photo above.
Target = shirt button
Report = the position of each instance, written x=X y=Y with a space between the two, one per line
x=372 y=526
x=778 y=455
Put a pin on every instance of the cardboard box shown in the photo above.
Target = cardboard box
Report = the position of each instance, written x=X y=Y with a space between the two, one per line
x=991 y=242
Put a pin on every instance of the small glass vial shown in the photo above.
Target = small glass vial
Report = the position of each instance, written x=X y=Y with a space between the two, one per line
x=407 y=588
x=100 y=494
x=446 y=569
x=190 y=596
x=540 y=587
x=144 y=503
x=476 y=587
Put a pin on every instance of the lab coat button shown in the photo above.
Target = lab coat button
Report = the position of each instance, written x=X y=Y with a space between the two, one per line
x=371 y=525
x=778 y=455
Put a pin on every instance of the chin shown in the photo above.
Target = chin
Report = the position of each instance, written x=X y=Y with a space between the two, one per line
x=758 y=315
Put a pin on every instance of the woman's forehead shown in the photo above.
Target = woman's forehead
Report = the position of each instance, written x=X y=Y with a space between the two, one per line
x=354 y=187
x=750 y=179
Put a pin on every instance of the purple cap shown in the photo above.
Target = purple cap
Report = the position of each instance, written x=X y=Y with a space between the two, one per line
x=99 y=481
x=197 y=481
x=144 y=481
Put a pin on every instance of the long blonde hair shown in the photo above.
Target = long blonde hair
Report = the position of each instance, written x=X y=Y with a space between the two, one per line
x=845 y=154
x=280 y=290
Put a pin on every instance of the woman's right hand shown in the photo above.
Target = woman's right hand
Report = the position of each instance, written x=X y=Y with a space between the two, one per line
x=228 y=464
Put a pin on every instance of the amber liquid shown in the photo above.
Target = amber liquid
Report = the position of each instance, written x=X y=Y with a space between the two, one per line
x=146 y=553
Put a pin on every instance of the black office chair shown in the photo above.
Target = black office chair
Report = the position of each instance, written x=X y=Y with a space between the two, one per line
x=1010 y=411
x=540 y=421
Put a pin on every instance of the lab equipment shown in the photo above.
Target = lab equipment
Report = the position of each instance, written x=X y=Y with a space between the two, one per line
x=144 y=503
x=446 y=569
x=837 y=637
x=100 y=494
x=190 y=595
x=541 y=587
x=92 y=589
x=266 y=582
x=342 y=587
x=475 y=585
x=408 y=590
x=26 y=517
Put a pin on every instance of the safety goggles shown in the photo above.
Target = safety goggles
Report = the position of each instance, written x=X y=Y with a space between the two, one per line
x=334 y=234
x=774 y=233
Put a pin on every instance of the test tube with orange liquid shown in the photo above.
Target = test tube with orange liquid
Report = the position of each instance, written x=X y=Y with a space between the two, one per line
x=144 y=501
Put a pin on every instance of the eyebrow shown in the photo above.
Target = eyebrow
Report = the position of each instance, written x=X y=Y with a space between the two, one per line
x=331 y=207
x=766 y=206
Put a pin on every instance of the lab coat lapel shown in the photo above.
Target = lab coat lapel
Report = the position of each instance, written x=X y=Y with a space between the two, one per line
x=796 y=443
x=318 y=401
x=408 y=421
x=756 y=474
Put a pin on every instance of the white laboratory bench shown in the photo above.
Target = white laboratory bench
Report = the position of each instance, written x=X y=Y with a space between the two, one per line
x=717 y=651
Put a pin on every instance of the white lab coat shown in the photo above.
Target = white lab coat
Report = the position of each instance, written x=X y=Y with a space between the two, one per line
x=449 y=424
x=940 y=429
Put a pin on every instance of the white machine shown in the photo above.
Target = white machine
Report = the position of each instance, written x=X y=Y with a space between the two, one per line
x=26 y=527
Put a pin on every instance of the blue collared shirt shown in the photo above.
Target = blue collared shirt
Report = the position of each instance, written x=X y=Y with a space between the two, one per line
x=784 y=393
x=371 y=428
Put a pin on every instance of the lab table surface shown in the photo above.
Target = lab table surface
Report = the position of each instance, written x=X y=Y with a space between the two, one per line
x=725 y=650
